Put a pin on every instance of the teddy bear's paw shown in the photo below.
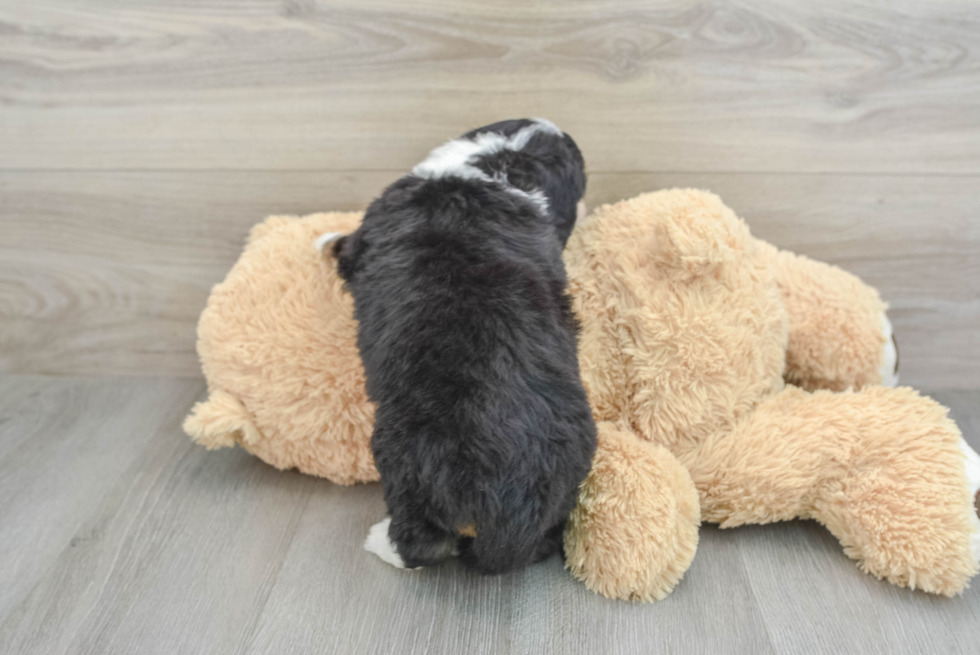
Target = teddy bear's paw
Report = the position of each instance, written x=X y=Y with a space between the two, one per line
x=972 y=463
x=634 y=531
x=889 y=358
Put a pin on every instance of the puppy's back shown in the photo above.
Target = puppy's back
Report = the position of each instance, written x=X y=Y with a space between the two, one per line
x=469 y=347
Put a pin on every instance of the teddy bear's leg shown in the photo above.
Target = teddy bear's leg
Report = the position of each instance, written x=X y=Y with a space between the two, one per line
x=839 y=332
x=634 y=531
x=884 y=469
x=220 y=421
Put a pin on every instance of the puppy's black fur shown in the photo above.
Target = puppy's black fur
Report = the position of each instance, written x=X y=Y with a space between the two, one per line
x=469 y=348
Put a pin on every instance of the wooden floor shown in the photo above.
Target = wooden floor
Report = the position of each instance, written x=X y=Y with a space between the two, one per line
x=117 y=535
x=140 y=140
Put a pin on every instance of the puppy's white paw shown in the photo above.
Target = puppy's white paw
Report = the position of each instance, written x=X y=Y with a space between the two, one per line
x=379 y=543
x=972 y=464
x=889 y=360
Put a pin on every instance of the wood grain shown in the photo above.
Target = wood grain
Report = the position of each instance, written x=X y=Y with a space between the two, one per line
x=62 y=445
x=755 y=86
x=138 y=542
x=103 y=273
x=147 y=562
x=106 y=272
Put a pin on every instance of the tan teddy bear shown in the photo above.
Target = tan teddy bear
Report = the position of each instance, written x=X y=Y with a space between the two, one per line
x=691 y=331
x=690 y=327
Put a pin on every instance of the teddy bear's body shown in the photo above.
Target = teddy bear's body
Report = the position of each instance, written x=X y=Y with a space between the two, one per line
x=693 y=335
x=686 y=330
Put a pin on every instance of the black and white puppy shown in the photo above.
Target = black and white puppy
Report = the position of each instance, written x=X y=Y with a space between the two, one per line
x=469 y=347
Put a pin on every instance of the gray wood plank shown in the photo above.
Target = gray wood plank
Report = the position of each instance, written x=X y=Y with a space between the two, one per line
x=815 y=600
x=177 y=555
x=695 y=617
x=963 y=408
x=115 y=268
x=107 y=273
x=370 y=610
x=163 y=547
x=377 y=609
x=761 y=85
x=62 y=443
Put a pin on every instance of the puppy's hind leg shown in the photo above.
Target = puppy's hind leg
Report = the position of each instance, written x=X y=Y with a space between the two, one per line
x=410 y=543
x=503 y=547
x=550 y=543
x=379 y=543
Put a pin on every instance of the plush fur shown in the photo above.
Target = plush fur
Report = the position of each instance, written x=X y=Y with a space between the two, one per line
x=691 y=331
x=277 y=346
x=469 y=347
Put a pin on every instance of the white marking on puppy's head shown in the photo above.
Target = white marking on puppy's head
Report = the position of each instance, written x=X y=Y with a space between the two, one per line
x=540 y=125
x=535 y=197
x=548 y=126
x=327 y=237
x=457 y=158
x=453 y=159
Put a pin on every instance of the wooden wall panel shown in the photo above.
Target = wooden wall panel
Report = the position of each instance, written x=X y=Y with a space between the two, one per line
x=107 y=272
x=138 y=141
x=761 y=86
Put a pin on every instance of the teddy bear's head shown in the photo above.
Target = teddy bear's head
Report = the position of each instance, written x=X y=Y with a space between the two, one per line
x=277 y=343
x=684 y=328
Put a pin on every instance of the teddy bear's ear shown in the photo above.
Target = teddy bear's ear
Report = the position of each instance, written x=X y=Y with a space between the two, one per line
x=695 y=234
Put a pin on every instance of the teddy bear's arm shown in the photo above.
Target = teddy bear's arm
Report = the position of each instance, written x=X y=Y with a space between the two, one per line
x=839 y=334
x=884 y=469
x=634 y=531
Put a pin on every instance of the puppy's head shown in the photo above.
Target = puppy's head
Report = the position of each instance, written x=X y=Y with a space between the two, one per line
x=532 y=157
x=538 y=156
